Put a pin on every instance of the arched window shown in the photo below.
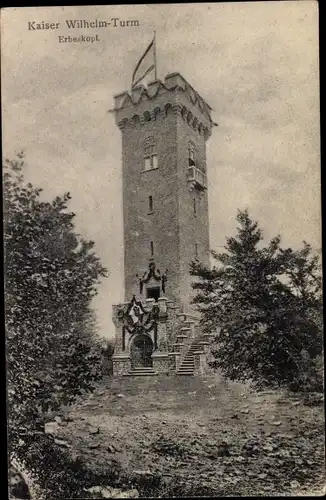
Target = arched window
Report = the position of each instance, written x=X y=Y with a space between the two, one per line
x=147 y=116
x=157 y=112
x=150 y=154
x=135 y=120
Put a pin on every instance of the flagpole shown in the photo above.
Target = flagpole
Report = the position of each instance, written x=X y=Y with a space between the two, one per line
x=155 y=63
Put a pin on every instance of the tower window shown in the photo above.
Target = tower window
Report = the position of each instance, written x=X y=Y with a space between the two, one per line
x=191 y=155
x=196 y=250
x=150 y=204
x=152 y=249
x=195 y=207
x=150 y=154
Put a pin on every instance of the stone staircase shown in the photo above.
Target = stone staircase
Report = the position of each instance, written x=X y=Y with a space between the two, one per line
x=187 y=366
x=141 y=371
x=186 y=352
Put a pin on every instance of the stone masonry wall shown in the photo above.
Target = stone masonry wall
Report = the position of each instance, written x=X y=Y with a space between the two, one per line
x=160 y=226
x=175 y=116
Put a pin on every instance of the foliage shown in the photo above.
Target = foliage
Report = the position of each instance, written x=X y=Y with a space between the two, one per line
x=107 y=351
x=51 y=274
x=58 y=472
x=266 y=303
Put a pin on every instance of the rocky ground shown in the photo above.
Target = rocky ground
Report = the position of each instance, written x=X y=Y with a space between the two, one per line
x=191 y=436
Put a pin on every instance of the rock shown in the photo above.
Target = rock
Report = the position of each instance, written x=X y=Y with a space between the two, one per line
x=58 y=419
x=128 y=494
x=235 y=417
x=244 y=410
x=121 y=395
x=212 y=398
x=142 y=472
x=61 y=442
x=93 y=446
x=94 y=430
x=277 y=422
x=109 y=492
x=295 y=484
x=51 y=427
x=111 y=448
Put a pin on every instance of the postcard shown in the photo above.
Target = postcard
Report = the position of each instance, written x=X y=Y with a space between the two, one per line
x=162 y=241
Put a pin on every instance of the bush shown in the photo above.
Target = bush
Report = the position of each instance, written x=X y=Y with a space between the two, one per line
x=52 y=274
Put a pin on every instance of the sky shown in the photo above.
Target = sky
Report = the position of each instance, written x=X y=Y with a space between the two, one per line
x=256 y=64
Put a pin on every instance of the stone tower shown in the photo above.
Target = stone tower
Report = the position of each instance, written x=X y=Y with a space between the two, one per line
x=165 y=207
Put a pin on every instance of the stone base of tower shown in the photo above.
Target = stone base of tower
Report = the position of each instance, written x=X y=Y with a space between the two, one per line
x=154 y=338
x=121 y=364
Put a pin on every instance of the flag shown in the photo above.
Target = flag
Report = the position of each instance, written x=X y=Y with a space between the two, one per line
x=145 y=65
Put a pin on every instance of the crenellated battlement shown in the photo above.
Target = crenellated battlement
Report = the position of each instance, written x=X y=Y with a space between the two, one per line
x=143 y=105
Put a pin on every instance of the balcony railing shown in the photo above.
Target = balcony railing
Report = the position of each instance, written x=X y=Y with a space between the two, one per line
x=197 y=177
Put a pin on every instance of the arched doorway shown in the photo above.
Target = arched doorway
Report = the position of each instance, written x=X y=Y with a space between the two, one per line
x=141 y=351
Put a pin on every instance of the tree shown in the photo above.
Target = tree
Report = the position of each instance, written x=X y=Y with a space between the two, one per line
x=265 y=301
x=51 y=275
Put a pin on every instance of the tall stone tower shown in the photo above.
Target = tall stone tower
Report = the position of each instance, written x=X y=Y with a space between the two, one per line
x=165 y=207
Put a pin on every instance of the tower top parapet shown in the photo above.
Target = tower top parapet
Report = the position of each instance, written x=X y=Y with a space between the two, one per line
x=158 y=98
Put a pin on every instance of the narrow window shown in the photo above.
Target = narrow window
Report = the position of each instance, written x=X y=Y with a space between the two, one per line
x=191 y=156
x=152 y=249
x=195 y=207
x=196 y=250
x=150 y=155
x=154 y=161
x=150 y=204
x=148 y=163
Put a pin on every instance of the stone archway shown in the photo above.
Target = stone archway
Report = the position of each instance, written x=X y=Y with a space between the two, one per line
x=141 y=351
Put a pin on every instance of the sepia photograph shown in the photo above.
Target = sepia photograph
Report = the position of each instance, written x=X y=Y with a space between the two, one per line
x=163 y=250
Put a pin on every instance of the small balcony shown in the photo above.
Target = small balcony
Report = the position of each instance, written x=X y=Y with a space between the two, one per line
x=197 y=178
